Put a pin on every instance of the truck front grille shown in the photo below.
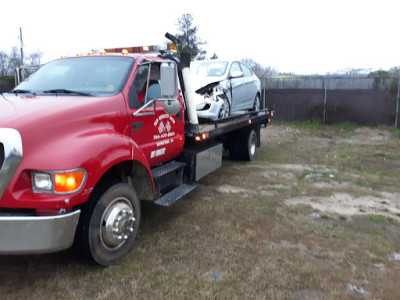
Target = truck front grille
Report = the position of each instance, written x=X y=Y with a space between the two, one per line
x=10 y=156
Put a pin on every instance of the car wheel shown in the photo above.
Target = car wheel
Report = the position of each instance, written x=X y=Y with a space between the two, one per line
x=225 y=109
x=256 y=106
x=110 y=225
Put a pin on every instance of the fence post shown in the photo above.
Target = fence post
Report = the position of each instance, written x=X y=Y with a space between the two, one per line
x=324 y=116
x=397 y=104
x=265 y=87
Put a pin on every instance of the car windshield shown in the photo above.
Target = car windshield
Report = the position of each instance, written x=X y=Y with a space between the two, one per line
x=209 y=68
x=95 y=76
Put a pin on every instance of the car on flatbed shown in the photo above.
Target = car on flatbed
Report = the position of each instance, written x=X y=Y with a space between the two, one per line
x=225 y=87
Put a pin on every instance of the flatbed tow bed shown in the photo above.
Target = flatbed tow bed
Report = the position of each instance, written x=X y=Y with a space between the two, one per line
x=213 y=129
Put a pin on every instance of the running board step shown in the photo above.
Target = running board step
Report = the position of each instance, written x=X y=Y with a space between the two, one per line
x=174 y=195
x=168 y=175
x=166 y=169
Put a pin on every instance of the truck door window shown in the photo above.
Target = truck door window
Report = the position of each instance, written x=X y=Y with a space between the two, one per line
x=145 y=86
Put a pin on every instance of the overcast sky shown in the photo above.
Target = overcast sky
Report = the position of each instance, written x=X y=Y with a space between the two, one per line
x=300 y=36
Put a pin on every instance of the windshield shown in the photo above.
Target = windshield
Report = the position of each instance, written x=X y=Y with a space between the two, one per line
x=208 y=68
x=97 y=76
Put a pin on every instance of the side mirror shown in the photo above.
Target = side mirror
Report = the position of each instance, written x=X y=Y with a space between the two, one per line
x=169 y=88
x=237 y=74
x=172 y=107
x=169 y=81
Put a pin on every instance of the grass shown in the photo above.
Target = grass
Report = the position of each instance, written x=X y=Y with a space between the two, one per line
x=235 y=237
x=379 y=219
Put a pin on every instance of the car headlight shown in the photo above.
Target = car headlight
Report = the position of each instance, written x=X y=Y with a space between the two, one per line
x=58 y=182
x=200 y=106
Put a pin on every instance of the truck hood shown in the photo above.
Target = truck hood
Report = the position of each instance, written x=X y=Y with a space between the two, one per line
x=19 y=112
x=54 y=123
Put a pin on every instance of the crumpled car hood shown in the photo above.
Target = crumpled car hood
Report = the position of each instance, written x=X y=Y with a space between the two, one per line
x=200 y=83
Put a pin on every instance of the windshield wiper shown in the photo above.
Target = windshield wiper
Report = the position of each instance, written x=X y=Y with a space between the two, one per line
x=65 y=91
x=22 y=92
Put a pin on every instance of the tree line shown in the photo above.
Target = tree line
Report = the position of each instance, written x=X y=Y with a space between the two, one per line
x=12 y=60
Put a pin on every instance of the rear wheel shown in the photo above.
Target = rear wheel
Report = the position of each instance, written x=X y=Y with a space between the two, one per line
x=244 y=146
x=109 y=227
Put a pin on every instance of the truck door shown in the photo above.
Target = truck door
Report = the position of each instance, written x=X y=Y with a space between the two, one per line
x=158 y=134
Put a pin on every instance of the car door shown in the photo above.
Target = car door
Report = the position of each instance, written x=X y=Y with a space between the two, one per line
x=237 y=87
x=158 y=134
x=250 y=87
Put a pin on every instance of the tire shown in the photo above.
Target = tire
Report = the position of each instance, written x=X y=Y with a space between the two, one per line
x=256 y=106
x=244 y=147
x=110 y=225
x=225 y=108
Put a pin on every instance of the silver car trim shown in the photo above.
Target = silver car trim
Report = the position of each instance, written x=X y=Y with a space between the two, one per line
x=37 y=234
x=12 y=144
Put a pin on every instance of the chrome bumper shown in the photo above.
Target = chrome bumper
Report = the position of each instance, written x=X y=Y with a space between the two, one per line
x=44 y=234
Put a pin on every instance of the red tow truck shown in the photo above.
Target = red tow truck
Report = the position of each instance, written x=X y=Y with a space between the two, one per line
x=85 y=139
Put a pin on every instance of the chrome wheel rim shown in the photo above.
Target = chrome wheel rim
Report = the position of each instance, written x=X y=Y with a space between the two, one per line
x=257 y=103
x=224 y=109
x=117 y=223
x=253 y=146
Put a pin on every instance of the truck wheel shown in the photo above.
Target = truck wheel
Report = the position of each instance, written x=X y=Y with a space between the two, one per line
x=244 y=147
x=111 y=224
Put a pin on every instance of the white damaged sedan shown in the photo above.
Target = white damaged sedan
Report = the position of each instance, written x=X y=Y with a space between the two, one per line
x=223 y=87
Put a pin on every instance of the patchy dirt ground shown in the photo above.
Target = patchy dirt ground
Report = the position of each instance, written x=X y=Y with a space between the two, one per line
x=315 y=216
x=325 y=177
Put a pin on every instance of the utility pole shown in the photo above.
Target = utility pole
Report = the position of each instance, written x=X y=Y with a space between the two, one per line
x=22 y=46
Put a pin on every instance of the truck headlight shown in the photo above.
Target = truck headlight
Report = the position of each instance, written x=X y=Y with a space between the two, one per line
x=42 y=181
x=58 y=182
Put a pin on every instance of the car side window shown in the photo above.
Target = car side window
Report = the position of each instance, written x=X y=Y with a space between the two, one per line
x=145 y=86
x=246 y=70
x=235 y=67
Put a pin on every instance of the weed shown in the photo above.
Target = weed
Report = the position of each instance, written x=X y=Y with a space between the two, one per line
x=372 y=231
x=347 y=126
x=379 y=219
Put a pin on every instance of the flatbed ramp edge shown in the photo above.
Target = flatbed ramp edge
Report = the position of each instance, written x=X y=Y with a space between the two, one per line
x=222 y=126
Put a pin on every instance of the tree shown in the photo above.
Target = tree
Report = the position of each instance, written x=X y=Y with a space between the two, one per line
x=215 y=56
x=3 y=63
x=9 y=62
x=189 y=40
x=258 y=69
x=34 y=58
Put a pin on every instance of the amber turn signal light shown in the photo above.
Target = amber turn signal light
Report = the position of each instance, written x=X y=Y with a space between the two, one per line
x=68 y=182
